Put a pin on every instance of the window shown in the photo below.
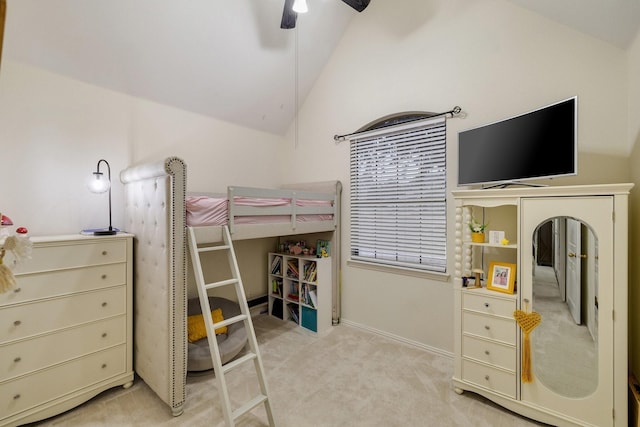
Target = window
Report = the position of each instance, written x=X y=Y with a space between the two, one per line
x=398 y=195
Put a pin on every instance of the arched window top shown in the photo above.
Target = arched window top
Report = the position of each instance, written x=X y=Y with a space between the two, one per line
x=396 y=119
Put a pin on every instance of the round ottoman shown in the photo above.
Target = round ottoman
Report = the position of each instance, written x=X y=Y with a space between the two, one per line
x=230 y=344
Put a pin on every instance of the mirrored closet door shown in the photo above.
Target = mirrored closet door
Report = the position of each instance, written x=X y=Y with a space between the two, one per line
x=567 y=276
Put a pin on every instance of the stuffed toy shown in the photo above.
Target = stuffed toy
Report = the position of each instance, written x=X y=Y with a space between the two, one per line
x=18 y=244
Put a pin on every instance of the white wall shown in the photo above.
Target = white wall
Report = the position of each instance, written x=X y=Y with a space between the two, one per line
x=489 y=57
x=53 y=131
x=634 y=228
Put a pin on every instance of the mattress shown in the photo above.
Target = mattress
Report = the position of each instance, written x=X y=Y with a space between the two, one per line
x=207 y=210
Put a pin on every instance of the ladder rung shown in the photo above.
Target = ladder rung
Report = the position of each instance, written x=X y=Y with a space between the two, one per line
x=229 y=321
x=237 y=362
x=213 y=248
x=261 y=398
x=220 y=283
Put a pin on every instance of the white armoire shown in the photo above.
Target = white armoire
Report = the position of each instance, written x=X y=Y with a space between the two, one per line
x=566 y=249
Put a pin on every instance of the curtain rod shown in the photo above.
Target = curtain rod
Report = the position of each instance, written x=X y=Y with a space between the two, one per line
x=454 y=112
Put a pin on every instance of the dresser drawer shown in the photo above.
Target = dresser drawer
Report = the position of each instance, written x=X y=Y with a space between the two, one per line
x=56 y=283
x=492 y=378
x=492 y=327
x=28 y=391
x=487 y=304
x=491 y=352
x=25 y=320
x=24 y=356
x=62 y=255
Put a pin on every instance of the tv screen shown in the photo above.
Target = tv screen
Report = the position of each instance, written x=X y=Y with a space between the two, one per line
x=538 y=144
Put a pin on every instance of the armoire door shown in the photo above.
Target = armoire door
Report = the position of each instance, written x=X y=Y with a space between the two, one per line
x=572 y=367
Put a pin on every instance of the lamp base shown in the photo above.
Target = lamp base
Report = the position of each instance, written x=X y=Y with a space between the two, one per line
x=104 y=233
x=100 y=231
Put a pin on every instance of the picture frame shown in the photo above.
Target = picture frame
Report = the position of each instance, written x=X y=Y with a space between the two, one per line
x=502 y=277
x=323 y=248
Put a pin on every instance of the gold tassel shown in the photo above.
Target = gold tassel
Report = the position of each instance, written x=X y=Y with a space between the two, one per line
x=526 y=360
x=527 y=322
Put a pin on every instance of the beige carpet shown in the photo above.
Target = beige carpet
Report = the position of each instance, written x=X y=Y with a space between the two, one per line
x=565 y=355
x=349 y=377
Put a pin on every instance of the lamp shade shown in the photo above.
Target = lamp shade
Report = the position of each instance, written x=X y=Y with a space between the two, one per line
x=300 y=6
x=98 y=183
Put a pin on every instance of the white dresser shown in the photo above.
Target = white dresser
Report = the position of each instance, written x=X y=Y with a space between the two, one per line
x=489 y=337
x=570 y=369
x=66 y=329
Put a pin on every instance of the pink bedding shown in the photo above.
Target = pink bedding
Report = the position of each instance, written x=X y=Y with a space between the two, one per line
x=214 y=210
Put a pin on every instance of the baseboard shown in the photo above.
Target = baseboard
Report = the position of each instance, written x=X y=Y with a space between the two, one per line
x=398 y=338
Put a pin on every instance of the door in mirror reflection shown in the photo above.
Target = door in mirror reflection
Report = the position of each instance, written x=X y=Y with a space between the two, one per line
x=565 y=295
x=572 y=348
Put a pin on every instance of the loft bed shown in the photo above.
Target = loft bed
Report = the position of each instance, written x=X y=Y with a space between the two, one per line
x=158 y=210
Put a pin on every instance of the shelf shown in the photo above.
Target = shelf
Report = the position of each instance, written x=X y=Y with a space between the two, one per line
x=493 y=245
x=306 y=298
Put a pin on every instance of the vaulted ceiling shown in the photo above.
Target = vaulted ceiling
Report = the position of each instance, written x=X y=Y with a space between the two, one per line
x=226 y=59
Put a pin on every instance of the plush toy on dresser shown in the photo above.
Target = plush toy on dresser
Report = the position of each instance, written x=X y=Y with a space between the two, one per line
x=18 y=244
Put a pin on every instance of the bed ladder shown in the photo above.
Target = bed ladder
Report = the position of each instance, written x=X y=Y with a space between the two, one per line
x=220 y=370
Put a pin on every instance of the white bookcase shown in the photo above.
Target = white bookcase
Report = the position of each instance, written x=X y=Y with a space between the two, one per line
x=300 y=290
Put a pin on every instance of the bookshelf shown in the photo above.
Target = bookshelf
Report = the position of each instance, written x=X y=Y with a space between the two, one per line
x=300 y=290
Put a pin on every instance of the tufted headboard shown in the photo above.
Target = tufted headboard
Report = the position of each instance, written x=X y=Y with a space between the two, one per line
x=155 y=213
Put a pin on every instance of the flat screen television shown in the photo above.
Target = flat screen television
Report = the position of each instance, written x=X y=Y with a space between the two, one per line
x=539 y=144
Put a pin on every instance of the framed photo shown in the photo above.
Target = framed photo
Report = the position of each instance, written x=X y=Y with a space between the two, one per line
x=502 y=277
x=323 y=248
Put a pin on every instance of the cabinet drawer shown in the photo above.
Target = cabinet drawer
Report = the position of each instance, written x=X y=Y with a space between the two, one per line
x=490 y=352
x=492 y=327
x=24 y=320
x=32 y=390
x=73 y=254
x=26 y=356
x=488 y=377
x=487 y=304
x=55 y=283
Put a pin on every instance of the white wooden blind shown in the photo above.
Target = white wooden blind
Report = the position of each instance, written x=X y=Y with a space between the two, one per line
x=398 y=195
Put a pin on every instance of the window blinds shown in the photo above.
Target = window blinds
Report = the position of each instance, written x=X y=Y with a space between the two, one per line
x=398 y=195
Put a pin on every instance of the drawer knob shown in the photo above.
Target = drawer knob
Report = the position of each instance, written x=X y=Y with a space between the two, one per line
x=17 y=359
x=16 y=290
x=104 y=252
x=486 y=304
x=104 y=304
x=487 y=327
x=104 y=276
x=104 y=365
x=17 y=323
x=486 y=377
x=16 y=396
x=486 y=352
x=104 y=335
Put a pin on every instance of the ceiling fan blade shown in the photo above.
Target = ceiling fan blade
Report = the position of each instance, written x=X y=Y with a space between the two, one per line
x=358 y=5
x=289 y=17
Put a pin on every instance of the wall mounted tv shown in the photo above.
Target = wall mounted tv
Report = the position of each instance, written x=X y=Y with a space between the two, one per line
x=538 y=144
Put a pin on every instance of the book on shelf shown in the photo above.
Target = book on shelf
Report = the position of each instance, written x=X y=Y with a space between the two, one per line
x=276 y=287
x=293 y=310
x=292 y=269
x=310 y=271
x=275 y=265
x=313 y=297
x=309 y=296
